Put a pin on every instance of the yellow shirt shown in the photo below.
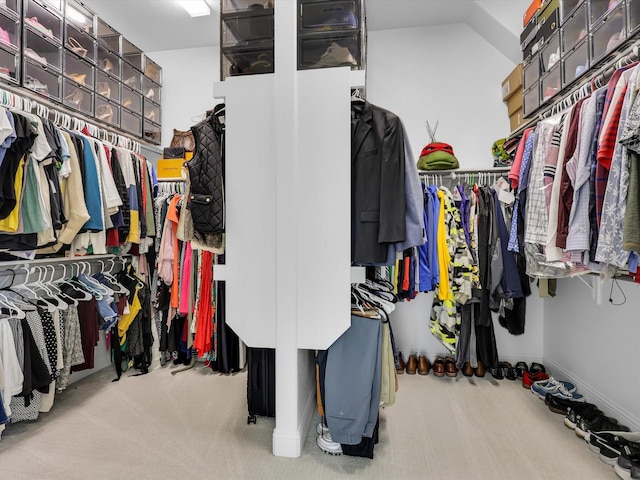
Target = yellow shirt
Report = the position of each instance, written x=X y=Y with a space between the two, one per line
x=11 y=223
x=444 y=258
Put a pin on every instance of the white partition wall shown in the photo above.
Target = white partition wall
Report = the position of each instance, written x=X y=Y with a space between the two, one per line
x=250 y=200
x=324 y=213
x=288 y=183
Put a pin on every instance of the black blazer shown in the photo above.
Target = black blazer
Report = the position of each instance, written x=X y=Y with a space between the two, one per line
x=377 y=183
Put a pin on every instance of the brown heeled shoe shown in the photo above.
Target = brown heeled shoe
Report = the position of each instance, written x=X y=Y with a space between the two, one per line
x=401 y=364
x=423 y=365
x=412 y=365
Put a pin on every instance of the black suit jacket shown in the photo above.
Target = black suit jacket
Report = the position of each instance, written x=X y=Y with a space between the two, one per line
x=377 y=183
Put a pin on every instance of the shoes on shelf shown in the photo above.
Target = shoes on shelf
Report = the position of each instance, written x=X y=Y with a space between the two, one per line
x=33 y=21
x=520 y=368
x=327 y=445
x=103 y=88
x=78 y=77
x=33 y=55
x=104 y=113
x=106 y=65
x=36 y=85
x=4 y=37
x=151 y=115
x=150 y=94
x=335 y=56
x=467 y=369
x=132 y=81
x=438 y=367
x=610 y=445
x=528 y=378
x=412 y=364
x=74 y=98
x=401 y=365
x=450 y=368
x=423 y=365
x=480 y=370
x=127 y=102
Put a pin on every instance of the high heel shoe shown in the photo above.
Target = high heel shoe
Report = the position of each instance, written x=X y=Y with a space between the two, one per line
x=78 y=77
x=105 y=113
x=74 y=98
x=75 y=47
x=150 y=94
x=106 y=65
x=103 y=88
x=151 y=115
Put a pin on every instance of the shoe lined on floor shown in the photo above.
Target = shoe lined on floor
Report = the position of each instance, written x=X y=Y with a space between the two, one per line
x=560 y=405
x=480 y=371
x=327 y=445
x=467 y=369
x=412 y=364
x=521 y=367
x=528 y=378
x=610 y=445
x=496 y=373
x=574 y=414
x=438 y=367
x=626 y=461
x=553 y=386
x=507 y=370
x=401 y=365
x=450 y=368
x=423 y=365
x=537 y=367
x=321 y=429
x=598 y=423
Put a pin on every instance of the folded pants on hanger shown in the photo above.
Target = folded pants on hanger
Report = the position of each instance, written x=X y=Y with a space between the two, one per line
x=352 y=381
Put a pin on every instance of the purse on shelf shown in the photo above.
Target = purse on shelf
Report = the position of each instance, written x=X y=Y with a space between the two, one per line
x=75 y=47
x=183 y=139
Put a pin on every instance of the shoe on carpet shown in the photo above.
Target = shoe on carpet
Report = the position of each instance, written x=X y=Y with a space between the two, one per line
x=450 y=368
x=321 y=429
x=507 y=370
x=574 y=414
x=438 y=367
x=610 y=445
x=598 y=423
x=626 y=461
x=412 y=364
x=528 y=378
x=423 y=365
x=327 y=445
x=560 y=405
x=401 y=365
x=521 y=367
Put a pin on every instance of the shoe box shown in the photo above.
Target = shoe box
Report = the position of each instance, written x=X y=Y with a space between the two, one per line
x=512 y=96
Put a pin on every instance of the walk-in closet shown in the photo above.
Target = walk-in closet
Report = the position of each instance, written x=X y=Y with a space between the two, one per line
x=319 y=239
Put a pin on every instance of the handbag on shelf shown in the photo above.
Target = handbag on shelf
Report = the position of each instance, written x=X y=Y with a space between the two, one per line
x=183 y=139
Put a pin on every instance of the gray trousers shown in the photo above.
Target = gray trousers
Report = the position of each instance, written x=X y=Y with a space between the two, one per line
x=352 y=381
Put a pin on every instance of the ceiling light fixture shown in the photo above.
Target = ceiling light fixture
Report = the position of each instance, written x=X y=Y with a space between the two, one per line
x=195 y=8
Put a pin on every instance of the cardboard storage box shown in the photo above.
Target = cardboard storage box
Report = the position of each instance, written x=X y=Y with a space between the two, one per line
x=512 y=83
x=515 y=102
x=516 y=120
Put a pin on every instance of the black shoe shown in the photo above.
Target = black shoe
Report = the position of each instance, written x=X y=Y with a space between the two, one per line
x=537 y=367
x=574 y=414
x=496 y=373
x=610 y=445
x=626 y=461
x=560 y=405
x=521 y=367
x=507 y=370
x=598 y=423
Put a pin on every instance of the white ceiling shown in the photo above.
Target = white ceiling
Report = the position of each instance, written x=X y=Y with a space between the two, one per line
x=158 y=25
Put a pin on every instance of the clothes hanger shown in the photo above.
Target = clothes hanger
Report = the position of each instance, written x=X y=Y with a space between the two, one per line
x=357 y=96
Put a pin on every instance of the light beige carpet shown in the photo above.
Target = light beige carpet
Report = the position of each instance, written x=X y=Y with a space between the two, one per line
x=160 y=426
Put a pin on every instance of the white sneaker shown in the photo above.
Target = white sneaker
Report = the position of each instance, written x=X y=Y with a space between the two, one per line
x=327 y=445
x=321 y=429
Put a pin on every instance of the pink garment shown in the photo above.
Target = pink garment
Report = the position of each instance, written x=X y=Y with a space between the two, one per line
x=185 y=284
x=165 y=256
x=514 y=173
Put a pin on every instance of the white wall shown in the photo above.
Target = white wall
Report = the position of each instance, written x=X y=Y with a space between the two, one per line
x=448 y=74
x=187 y=86
x=596 y=346
x=452 y=75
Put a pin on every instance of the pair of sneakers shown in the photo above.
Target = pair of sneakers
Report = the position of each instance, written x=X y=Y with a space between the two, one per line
x=628 y=465
x=611 y=445
x=561 y=389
